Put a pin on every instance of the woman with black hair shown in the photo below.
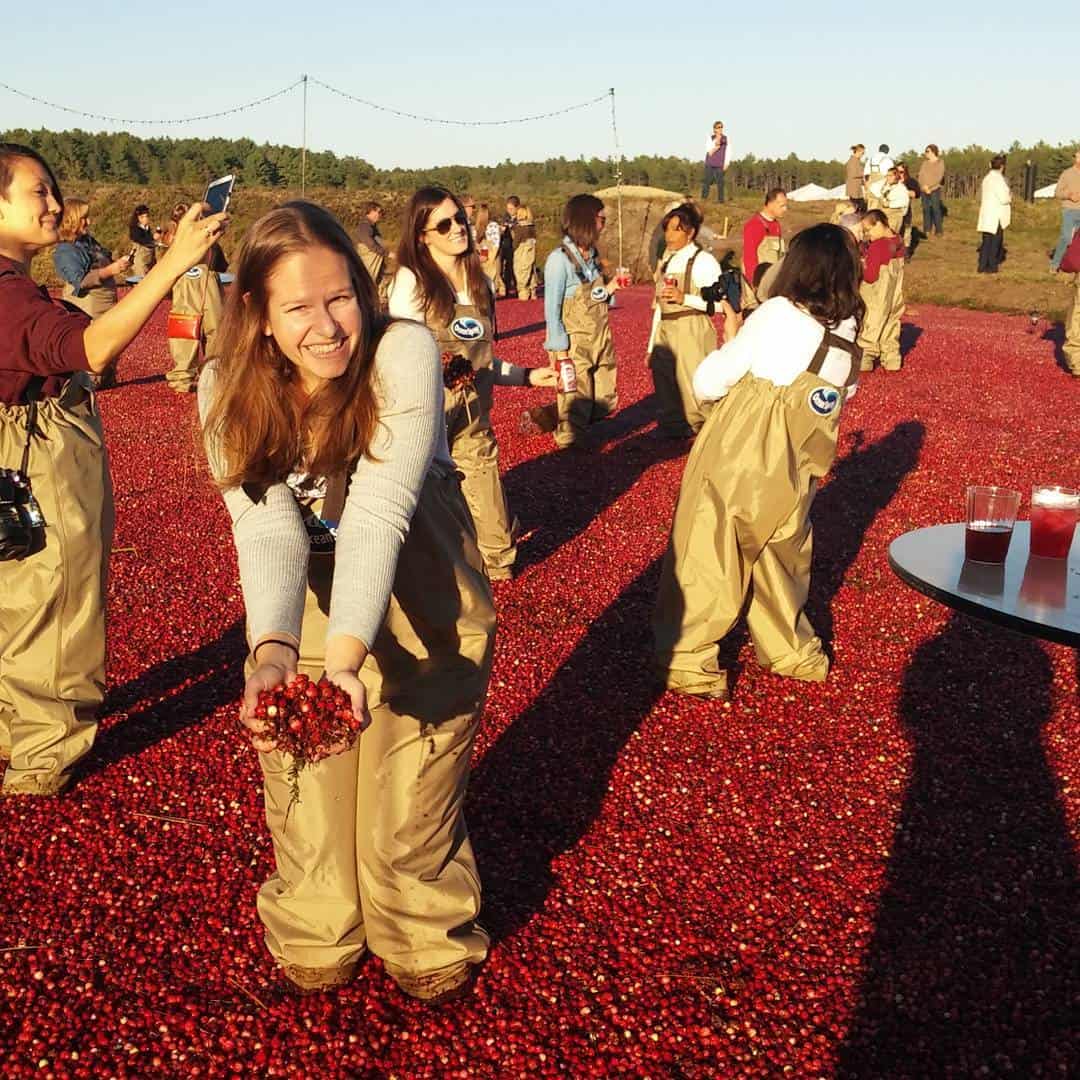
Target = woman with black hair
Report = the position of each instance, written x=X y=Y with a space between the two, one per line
x=145 y=239
x=440 y=282
x=576 y=301
x=682 y=330
x=52 y=592
x=743 y=516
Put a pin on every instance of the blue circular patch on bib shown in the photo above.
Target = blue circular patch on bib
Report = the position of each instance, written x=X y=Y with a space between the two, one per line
x=599 y=292
x=824 y=401
x=466 y=328
x=195 y=271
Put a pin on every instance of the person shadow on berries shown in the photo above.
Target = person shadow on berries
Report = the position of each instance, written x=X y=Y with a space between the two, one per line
x=974 y=965
x=539 y=788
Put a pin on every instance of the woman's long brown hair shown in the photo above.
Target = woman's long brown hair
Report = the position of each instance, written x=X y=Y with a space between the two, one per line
x=260 y=425
x=439 y=294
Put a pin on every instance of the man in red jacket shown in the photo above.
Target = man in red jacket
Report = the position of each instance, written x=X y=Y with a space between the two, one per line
x=763 y=244
x=882 y=291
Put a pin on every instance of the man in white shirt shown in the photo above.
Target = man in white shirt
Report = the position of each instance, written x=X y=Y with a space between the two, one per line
x=895 y=199
x=877 y=165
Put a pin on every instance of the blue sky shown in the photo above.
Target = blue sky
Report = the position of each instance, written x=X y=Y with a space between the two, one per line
x=785 y=78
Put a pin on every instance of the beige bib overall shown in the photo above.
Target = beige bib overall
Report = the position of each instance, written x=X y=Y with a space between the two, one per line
x=879 y=337
x=374 y=261
x=770 y=251
x=525 y=262
x=585 y=316
x=376 y=852
x=145 y=258
x=472 y=441
x=193 y=293
x=684 y=337
x=1071 y=347
x=743 y=522
x=52 y=601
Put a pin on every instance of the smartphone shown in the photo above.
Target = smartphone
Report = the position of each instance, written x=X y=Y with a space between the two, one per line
x=218 y=193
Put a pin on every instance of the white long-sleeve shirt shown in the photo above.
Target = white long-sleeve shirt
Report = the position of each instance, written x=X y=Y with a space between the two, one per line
x=896 y=196
x=776 y=343
x=706 y=271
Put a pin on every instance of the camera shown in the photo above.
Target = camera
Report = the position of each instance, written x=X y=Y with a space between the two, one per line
x=21 y=519
x=726 y=287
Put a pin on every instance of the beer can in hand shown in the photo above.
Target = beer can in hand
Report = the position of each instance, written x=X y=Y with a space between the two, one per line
x=567 y=377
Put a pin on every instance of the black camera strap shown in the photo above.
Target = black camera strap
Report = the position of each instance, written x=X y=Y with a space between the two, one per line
x=32 y=393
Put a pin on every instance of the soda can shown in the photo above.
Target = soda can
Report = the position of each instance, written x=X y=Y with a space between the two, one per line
x=671 y=280
x=567 y=377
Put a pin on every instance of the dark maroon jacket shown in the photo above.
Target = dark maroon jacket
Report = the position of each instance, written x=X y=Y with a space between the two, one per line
x=38 y=336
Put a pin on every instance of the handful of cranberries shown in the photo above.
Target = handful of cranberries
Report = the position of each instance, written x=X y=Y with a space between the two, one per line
x=308 y=721
x=458 y=373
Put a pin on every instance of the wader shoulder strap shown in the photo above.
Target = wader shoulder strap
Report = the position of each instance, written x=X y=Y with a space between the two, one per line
x=687 y=279
x=577 y=263
x=829 y=340
x=32 y=392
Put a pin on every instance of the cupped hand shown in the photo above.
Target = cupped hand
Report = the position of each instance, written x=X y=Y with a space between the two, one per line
x=350 y=682
x=264 y=677
x=194 y=237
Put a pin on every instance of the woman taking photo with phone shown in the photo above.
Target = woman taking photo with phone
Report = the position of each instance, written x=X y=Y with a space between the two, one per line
x=440 y=283
x=89 y=272
x=576 y=301
x=52 y=577
x=324 y=428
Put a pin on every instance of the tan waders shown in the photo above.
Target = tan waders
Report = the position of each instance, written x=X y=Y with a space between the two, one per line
x=770 y=251
x=376 y=852
x=1071 y=347
x=374 y=261
x=472 y=441
x=145 y=258
x=585 y=316
x=684 y=337
x=525 y=267
x=873 y=191
x=895 y=218
x=198 y=291
x=95 y=302
x=492 y=267
x=742 y=524
x=52 y=601
x=879 y=337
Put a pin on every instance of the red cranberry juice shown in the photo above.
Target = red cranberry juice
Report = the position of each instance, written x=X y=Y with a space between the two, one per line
x=987 y=542
x=1052 y=531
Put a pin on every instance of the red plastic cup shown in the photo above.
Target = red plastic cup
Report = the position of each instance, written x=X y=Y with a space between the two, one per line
x=1054 y=513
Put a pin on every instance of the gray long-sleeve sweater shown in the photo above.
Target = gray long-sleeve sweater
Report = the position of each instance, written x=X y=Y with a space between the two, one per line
x=271 y=541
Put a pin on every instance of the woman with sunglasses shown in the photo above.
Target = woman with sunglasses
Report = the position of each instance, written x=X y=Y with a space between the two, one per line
x=439 y=282
x=576 y=300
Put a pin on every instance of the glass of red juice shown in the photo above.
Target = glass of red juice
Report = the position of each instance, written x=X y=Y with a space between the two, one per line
x=991 y=515
x=1054 y=513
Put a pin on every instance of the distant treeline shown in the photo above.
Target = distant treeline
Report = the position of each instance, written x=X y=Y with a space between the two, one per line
x=127 y=159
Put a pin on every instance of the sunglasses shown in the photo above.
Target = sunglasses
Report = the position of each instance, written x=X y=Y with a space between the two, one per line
x=443 y=228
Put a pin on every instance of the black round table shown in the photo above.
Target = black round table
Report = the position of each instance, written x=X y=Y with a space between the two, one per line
x=1040 y=597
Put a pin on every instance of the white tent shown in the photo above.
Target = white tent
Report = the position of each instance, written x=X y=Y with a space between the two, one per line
x=838 y=192
x=1046 y=192
x=809 y=193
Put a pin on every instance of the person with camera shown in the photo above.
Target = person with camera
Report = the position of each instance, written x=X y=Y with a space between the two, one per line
x=440 y=283
x=323 y=425
x=716 y=148
x=576 y=301
x=198 y=298
x=742 y=523
x=682 y=328
x=145 y=239
x=89 y=272
x=52 y=574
